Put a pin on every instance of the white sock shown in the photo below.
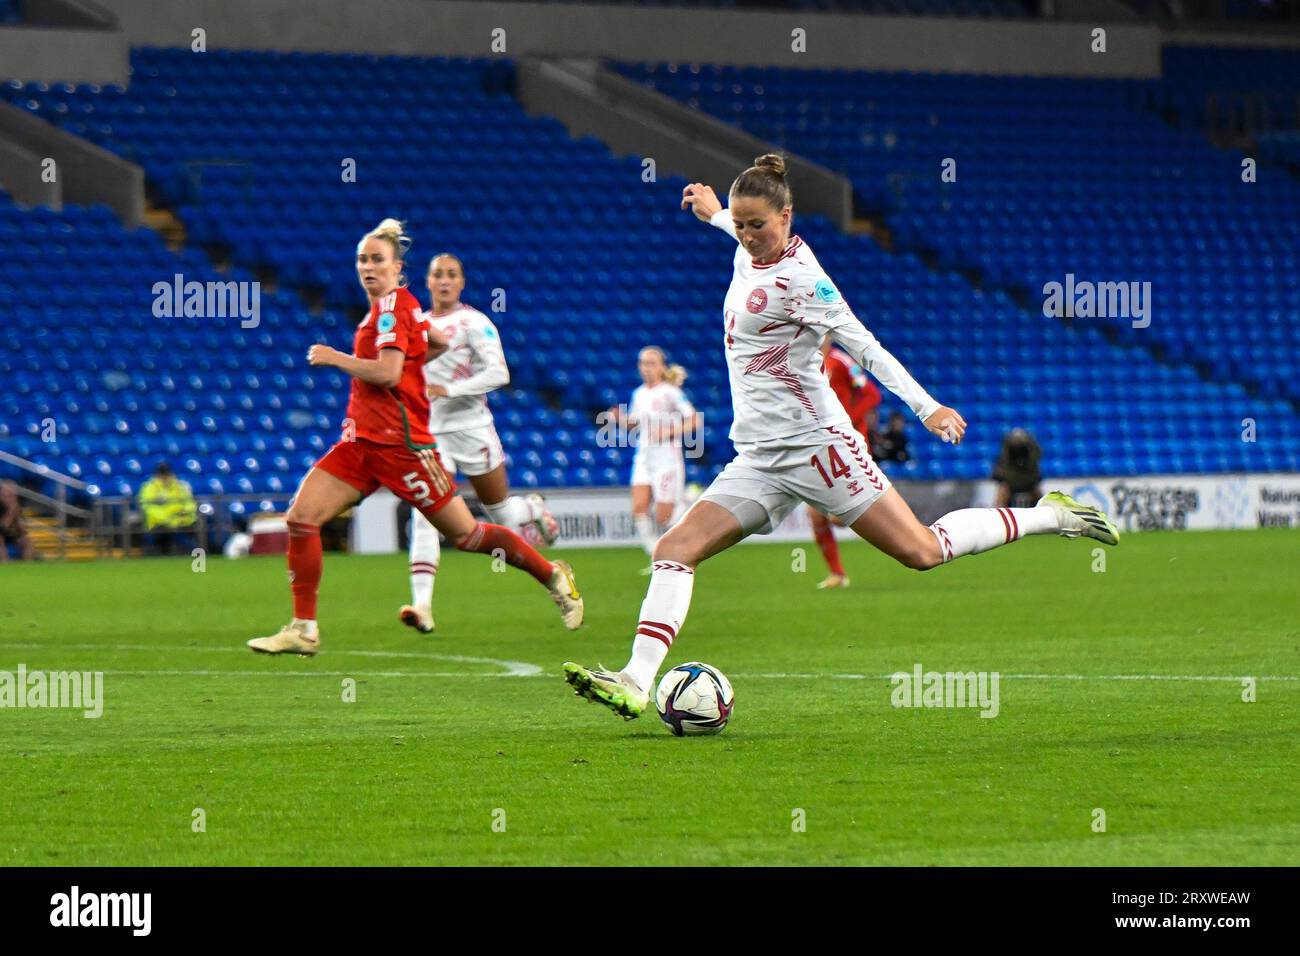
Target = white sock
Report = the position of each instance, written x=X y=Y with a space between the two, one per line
x=648 y=532
x=662 y=613
x=512 y=513
x=425 y=551
x=308 y=627
x=972 y=530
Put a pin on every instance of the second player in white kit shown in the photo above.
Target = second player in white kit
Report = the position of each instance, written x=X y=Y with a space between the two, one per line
x=664 y=420
x=472 y=364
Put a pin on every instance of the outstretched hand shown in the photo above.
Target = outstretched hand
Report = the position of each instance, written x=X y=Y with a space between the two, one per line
x=947 y=424
x=701 y=200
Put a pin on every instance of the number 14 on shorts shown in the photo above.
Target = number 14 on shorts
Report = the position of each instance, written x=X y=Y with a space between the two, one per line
x=838 y=468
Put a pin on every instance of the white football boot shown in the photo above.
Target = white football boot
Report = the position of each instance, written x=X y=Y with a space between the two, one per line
x=564 y=592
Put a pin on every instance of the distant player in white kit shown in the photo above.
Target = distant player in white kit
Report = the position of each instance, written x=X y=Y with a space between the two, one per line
x=459 y=378
x=793 y=437
x=662 y=417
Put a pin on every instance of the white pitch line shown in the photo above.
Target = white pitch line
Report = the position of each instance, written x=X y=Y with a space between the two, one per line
x=361 y=675
x=539 y=672
x=512 y=668
x=1132 y=677
x=525 y=669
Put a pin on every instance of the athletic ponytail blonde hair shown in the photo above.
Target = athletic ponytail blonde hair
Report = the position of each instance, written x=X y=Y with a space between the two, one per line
x=673 y=374
x=392 y=231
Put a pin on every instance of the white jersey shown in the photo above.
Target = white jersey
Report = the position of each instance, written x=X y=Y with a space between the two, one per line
x=658 y=409
x=473 y=365
x=775 y=318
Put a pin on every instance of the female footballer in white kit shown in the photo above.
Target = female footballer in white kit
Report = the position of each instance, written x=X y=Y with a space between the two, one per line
x=793 y=438
x=662 y=417
x=471 y=364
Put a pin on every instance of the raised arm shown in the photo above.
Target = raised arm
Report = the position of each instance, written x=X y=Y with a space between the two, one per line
x=813 y=300
x=703 y=201
x=866 y=349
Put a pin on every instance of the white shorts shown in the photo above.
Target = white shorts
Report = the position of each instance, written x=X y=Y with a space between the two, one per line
x=829 y=468
x=663 y=470
x=472 y=452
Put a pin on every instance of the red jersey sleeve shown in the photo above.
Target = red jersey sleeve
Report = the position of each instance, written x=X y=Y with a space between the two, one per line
x=866 y=399
x=402 y=328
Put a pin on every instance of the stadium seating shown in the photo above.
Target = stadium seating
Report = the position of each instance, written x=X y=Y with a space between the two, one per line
x=1059 y=177
x=464 y=166
x=252 y=151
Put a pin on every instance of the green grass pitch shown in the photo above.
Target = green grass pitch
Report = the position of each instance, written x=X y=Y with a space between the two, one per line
x=445 y=739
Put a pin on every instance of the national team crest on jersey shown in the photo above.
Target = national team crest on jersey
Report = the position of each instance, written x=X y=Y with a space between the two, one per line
x=757 y=301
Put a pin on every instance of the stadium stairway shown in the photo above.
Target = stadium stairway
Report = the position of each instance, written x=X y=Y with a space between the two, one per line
x=68 y=544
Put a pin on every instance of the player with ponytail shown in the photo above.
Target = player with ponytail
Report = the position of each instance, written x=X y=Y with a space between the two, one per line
x=662 y=418
x=794 y=439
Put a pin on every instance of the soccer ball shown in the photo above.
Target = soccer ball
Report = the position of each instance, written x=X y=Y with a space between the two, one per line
x=238 y=545
x=695 y=699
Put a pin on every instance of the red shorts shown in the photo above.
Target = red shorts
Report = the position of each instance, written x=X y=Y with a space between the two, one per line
x=413 y=476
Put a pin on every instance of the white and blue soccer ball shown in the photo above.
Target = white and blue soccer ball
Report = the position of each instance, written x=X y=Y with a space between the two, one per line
x=695 y=699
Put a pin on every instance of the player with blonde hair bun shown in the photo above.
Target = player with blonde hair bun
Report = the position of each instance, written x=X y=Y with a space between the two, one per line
x=386 y=442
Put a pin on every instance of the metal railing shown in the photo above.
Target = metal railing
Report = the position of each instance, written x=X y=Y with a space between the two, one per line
x=57 y=503
x=120 y=523
x=116 y=521
x=1235 y=117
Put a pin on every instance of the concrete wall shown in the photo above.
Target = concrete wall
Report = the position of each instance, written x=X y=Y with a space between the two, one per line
x=60 y=55
x=458 y=28
x=633 y=120
x=20 y=175
x=86 y=173
x=67 y=13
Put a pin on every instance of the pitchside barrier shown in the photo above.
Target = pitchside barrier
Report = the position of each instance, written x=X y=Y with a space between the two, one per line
x=602 y=517
x=1191 y=502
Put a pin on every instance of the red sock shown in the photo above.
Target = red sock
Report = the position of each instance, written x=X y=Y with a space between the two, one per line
x=487 y=538
x=830 y=548
x=304 y=568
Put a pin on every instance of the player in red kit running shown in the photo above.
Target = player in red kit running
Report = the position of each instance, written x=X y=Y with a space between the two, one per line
x=860 y=398
x=386 y=442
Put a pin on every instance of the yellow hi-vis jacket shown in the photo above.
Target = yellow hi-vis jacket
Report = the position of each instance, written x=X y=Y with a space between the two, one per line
x=167 y=504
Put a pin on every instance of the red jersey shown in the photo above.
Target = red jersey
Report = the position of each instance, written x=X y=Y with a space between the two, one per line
x=858 y=395
x=392 y=416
